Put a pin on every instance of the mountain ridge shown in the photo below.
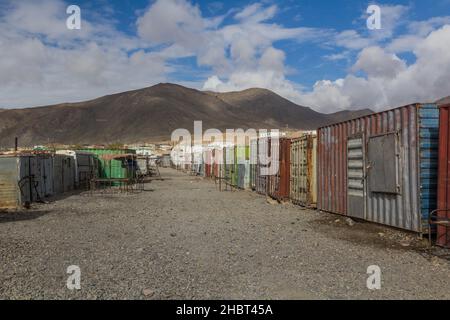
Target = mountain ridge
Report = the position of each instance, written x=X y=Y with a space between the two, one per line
x=152 y=113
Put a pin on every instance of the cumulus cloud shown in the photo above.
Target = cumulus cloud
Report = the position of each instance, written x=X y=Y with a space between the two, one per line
x=47 y=63
x=269 y=72
x=241 y=54
x=386 y=80
x=172 y=21
x=375 y=62
x=51 y=64
x=389 y=81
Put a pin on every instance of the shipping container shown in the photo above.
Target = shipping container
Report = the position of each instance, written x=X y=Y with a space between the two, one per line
x=261 y=178
x=63 y=173
x=86 y=167
x=229 y=165
x=443 y=197
x=279 y=181
x=114 y=168
x=15 y=182
x=218 y=163
x=381 y=167
x=253 y=162
x=208 y=160
x=304 y=170
x=46 y=172
x=25 y=179
x=197 y=160
x=241 y=174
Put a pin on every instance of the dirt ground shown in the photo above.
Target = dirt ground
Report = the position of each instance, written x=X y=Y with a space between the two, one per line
x=183 y=239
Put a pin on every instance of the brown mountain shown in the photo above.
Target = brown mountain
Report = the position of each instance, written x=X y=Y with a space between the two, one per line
x=151 y=114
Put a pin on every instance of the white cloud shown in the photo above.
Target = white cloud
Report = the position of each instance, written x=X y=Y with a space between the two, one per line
x=172 y=21
x=389 y=81
x=51 y=64
x=241 y=53
x=47 y=63
x=392 y=17
x=375 y=62
x=256 y=13
x=423 y=28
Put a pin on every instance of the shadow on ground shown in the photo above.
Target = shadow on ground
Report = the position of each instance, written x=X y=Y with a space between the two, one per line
x=374 y=235
x=22 y=215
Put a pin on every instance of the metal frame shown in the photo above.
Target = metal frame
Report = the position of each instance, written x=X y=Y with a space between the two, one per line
x=442 y=222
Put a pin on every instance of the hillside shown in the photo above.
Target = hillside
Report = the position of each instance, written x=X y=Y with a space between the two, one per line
x=151 y=114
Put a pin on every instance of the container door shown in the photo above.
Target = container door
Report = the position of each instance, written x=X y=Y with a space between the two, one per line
x=253 y=161
x=383 y=158
x=285 y=168
x=303 y=182
x=355 y=177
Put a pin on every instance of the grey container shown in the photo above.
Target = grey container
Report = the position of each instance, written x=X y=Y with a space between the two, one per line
x=381 y=167
x=63 y=173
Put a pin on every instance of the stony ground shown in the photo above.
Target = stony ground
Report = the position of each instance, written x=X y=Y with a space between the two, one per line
x=182 y=238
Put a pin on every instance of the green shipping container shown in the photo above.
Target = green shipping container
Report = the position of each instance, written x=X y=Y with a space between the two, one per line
x=115 y=168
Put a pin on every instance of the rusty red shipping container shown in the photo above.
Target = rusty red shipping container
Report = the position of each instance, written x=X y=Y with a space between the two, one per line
x=443 y=231
x=279 y=183
x=381 y=167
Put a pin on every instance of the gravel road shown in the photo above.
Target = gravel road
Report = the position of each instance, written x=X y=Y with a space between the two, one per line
x=183 y=239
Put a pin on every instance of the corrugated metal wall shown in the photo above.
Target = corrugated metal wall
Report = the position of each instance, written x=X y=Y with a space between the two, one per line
x=87 y=168
x=64 y=174
x=218 y=160
x=279 y=185
x=46 y=187
x=303 y=186
x=27 y=179
x=253 y=162
x=208 y=158
x=403 y=209
x=428 y=158
x=443 y=197
x=229 y=165
x=115 y=168
x=331 y=168
x=242 y=167
x=262 y=181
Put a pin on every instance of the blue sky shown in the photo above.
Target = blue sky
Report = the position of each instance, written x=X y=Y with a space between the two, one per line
x=315 y=53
